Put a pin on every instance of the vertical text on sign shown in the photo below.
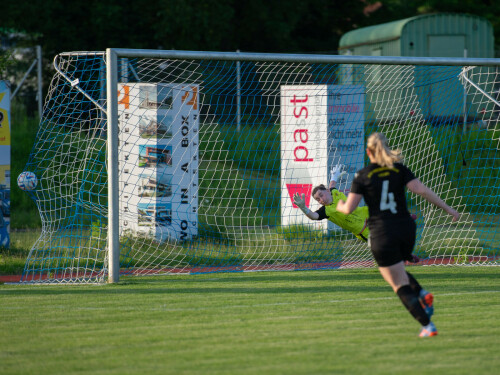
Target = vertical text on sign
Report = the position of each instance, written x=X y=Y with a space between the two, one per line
x=300 y=135
x=158 y=159
x=346 y=133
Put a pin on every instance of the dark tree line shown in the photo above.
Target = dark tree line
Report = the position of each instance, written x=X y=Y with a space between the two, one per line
x=225 y=25
x=290 y=26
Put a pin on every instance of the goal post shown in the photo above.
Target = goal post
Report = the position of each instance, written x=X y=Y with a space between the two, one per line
x=162 y=162
x=112 y=156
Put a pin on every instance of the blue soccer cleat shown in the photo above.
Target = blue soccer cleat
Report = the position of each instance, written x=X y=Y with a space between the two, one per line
x=426 y=300
x=428 y=330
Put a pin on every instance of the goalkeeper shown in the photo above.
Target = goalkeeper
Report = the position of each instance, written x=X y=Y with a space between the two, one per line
x=355 y=222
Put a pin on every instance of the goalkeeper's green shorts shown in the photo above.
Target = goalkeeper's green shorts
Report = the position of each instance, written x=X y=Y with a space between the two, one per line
x=364 y=234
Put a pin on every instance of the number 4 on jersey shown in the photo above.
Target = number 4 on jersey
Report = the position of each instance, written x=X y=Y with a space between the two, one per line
x=387 y=199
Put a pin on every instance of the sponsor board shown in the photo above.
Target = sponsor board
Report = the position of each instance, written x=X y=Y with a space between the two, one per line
x=303 y=149
x=158 y=159
x=321 y=126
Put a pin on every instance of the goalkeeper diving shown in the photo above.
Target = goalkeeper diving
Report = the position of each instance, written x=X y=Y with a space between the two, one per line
x=355 y=222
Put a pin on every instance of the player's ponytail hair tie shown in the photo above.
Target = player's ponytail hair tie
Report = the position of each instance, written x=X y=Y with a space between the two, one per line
x=383 y=155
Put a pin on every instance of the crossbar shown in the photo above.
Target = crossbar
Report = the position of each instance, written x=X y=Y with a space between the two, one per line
x=306 y=58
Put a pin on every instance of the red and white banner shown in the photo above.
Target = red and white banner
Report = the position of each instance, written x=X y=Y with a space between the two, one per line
x=321 y=126
x=304 y=156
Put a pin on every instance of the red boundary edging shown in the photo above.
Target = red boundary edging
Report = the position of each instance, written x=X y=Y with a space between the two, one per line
x=214 y=269
x=10 y=278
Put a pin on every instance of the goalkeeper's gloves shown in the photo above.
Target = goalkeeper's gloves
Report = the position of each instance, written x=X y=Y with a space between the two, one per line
x=300 y=202
x=337 y=172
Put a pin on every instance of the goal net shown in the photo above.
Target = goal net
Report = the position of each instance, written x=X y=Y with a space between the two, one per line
x=211 y=151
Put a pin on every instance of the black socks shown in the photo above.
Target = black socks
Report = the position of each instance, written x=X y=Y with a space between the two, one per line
x=409 y=297
x=414 y=283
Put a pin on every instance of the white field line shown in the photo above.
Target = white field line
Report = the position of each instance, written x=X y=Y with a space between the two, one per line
x=164 y=307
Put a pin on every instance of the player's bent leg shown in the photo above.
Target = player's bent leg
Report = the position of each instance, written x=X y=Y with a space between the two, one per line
x=412 y=303
x=395 y=275
x=426 y=298
x=415 y=285
x=400 y=280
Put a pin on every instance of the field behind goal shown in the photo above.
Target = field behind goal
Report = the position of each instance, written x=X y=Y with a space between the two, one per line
x=162 y=162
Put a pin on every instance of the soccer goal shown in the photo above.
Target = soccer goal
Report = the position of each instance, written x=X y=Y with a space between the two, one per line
x=162 y=162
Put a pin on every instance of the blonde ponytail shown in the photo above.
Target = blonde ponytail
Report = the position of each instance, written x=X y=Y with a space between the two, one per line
x=382 y=154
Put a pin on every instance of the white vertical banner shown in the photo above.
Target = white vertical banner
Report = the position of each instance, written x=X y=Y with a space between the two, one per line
x=303 y=149
x=346 y=131
x=158 y=158
x=185 y=165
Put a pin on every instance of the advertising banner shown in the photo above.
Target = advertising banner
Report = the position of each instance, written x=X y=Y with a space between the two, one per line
x=158 y=174
x=303 y=149
x=321 y=126
x=346 y=130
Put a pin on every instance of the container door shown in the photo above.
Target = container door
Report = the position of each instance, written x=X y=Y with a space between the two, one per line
x=446 y=92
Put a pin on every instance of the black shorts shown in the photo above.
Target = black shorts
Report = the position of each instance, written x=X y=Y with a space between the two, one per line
x=392 y=241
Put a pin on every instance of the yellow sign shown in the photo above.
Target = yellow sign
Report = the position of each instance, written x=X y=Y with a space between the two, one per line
x=4 y=163
x=4 y=118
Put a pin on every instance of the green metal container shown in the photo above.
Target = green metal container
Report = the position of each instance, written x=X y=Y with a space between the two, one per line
x=431 y=35
x=440 y=95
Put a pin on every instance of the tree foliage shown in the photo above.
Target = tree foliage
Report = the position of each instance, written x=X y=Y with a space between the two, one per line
x=4 y=61
x=226 y=25
x=294 y=26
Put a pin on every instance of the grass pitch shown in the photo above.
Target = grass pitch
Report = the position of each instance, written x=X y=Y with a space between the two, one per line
x=314 y=322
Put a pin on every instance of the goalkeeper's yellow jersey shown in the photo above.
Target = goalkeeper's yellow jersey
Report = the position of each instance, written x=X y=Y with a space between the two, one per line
x=354 y=222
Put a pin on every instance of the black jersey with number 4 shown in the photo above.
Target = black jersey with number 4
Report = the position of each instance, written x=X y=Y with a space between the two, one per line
x=383 y=190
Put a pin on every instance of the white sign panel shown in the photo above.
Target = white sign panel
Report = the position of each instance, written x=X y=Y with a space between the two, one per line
x=158 y=159
x=303 y=149
x=321 y=126
x=346 y=130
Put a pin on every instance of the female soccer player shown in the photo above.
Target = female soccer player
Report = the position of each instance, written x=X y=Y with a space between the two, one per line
x=392 y=231
x=355 y=222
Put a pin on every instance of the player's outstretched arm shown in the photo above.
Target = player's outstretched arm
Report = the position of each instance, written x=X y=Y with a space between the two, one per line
x=417 y=187
x=346 y=207
x=300 y=202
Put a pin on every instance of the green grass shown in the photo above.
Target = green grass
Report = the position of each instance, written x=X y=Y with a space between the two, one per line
x=342 y=322
x=282 y=244
x=12 y=259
